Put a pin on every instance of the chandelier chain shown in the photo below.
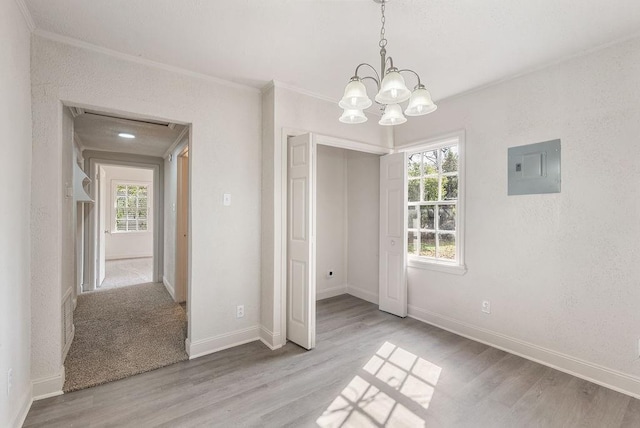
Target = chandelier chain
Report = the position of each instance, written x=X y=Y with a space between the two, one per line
x=383 y=40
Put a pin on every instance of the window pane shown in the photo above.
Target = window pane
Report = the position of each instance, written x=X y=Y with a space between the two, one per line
x=414 y=190
x=131 y=225
x=430 y=189
x=428 y=244
x=121 y=225
x=412 y=222
x=142 y=190
x=142 y=225
x=450 y=188
x=447 y=246
x=132 y=190
x=121 y=190
x=449 y=159
x=427 y=218
x=412 y=241
x=447 y=217
x=430 y=161
x=414 y=164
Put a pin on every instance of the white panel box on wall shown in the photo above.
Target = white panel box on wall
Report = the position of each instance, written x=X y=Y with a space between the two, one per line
x=534 y=168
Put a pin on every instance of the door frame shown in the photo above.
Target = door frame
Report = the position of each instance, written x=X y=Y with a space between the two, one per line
x=94 y=158
x=281 y=257
x=182 y=250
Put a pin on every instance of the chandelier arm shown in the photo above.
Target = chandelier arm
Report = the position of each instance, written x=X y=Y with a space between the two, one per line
x=374 y=79
x=371 y=67
x=414 y=73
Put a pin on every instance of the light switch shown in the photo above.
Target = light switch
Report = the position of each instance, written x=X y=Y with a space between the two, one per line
x=226 y=199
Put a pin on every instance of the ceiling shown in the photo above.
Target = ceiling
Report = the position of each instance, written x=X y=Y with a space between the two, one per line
x=99 y=132
x=455 y=45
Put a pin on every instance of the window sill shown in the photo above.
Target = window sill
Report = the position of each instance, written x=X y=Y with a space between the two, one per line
x=438 y=267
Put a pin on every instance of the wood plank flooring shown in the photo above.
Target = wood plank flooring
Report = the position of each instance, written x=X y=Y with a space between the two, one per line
x=369 y=369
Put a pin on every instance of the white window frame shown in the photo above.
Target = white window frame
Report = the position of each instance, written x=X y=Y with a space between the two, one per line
x=458 y=266
x=114 y=203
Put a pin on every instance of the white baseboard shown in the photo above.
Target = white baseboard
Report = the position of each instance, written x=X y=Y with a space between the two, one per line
x=595 y=373
x=210 y=345
x=27 y=401
x=331 y=292
x=363 y=294
x=169 y=288
x=48 y=386
x=270 y=339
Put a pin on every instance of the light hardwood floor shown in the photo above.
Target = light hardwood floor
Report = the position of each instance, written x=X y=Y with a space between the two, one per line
x=369 y=369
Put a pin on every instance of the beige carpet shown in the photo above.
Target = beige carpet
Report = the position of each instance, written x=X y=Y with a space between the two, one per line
x=121 y=273
x=123 y=332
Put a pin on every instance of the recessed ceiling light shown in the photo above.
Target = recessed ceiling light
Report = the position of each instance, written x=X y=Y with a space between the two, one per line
x=125 y=135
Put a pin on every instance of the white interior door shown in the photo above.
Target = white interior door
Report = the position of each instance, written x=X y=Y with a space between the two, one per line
x=301 y=286
x=103 y=227
x=393 y=239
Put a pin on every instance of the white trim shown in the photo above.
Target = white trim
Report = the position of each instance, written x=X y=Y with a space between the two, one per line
x=176 y=142
x=351 y=145
x=454 y=269
x=21 y=416
x=65 y=351
x=282 y=85
x=270 y=339
x=331 y=292
x=49 y=386
x=221 y=342
x=26 y=14
x=363 y=294
x=169 y=287
x=595 y=373
x=132 y=58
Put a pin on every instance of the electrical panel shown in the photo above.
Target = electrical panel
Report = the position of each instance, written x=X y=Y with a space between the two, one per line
x=534 y=168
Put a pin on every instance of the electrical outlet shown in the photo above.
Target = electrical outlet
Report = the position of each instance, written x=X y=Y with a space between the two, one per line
x=239 y=311
x=486 y=306
x=9 y=381
x=226 y=199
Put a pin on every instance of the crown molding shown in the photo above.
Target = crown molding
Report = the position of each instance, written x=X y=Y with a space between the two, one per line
x=282 y=85
x=147 y=62
x=26 y=14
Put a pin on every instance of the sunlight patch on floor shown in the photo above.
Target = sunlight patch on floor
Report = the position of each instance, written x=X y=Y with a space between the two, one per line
x=392 y=381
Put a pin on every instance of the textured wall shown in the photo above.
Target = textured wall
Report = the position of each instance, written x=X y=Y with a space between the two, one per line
x=331 y=218
x=15 y=174
x=561 y=270
x=225 y=157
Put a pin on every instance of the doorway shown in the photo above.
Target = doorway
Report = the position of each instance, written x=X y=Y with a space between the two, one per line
x=125 y=226
x=332 y=227
x=182 y=228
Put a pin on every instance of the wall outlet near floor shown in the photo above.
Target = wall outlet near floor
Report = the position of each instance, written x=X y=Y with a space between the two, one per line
x=239 y=311
x=486 y=306
x=9 y=381
x=330 y=274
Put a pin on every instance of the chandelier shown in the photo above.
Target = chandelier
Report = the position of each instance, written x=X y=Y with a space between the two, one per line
x=391 y=87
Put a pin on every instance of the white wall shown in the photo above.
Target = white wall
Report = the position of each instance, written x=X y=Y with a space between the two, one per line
x=363 y=206
x=225 y=158
x=133 y=244
x=286 y=110
x=331 y=221
x=170 y=213
x=15 y=121
x=561 y=270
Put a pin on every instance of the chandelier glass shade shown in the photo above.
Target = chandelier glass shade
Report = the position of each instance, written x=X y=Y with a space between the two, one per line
x=391 y=90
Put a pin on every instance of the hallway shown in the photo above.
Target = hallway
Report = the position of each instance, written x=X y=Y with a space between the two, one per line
x=125 y=272
x=122 y=332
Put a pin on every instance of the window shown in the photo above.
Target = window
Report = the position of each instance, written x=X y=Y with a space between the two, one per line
x=131 y=207
x=434 y=204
